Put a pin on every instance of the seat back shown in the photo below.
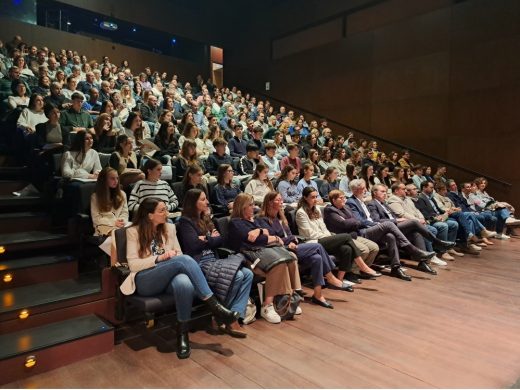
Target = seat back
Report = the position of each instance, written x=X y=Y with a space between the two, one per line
x=178 y=190
x=56 y=161
x=222 y=225
x=104 y=159
x=120 y=237
x=291 y=220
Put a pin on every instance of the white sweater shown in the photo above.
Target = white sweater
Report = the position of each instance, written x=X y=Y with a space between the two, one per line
x=28 y=119
x=312 y=229
x=258 y=189
x=73 y=169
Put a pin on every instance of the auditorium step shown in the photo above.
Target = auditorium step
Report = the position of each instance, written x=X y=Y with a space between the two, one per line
x=41 y=297
x=10 y=203
x=36 y=350
x=23 y=221
x=32 y=240
x=31 y=270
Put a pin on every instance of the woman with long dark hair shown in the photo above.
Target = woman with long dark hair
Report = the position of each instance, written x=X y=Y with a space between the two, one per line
x=157 y=266
x=188 y=156
x=310 y=255
x=311 y=226
x=124 y=161
x=193 y=179
x=81 y=162
x=105 y=139
x=165 y=139
x=108 y=206
x=287 y=185
x=225 y=190
x=259 y=185
x=227 y=277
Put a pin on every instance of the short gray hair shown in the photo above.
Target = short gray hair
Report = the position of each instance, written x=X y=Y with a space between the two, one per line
x=356 y=183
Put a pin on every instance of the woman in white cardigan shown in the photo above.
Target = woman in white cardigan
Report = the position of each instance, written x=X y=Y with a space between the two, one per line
x=259 y=185
x=157 y=266
x=81 y=162
x=311 y=226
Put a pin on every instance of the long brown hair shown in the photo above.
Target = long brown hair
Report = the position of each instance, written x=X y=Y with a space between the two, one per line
x=145 y=230
x=260 y=168
x=312 y=212
x=108 y=198
x=202 y=220
x=264 y=211
x=185 y=150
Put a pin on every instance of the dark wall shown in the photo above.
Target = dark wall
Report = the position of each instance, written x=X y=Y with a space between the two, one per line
x=441 y=77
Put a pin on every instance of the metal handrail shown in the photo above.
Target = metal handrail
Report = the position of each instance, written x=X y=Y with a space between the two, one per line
x=378 y=138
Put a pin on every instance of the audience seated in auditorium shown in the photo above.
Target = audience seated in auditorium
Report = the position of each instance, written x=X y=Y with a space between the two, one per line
x=81 y=161
x=312 y=227
x=247 y=234
x=229 y=277
x=158 y=266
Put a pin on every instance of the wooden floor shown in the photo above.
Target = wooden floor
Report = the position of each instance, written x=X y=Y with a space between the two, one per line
x=458 y=329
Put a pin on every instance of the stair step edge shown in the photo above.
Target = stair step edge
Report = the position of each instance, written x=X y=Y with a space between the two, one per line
x=49 y=335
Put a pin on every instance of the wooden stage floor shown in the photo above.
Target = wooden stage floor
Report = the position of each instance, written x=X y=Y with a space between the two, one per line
x=460 y=328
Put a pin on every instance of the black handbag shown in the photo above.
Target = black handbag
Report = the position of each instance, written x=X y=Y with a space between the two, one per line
x=266 y=258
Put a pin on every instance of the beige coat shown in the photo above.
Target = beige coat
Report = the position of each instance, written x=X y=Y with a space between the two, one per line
x=135 y=263
x=404 y=208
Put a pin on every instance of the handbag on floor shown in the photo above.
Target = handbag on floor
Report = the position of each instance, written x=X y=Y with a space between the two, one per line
x=285 y=305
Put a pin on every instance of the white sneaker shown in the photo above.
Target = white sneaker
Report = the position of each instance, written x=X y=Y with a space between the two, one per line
x=298 y=311
x=436 y=260
x=502 y=236
x=270 y=315
x=475 y=247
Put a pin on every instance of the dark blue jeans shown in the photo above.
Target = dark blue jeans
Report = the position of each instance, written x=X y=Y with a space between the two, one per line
x=315 y=257
x=179 y=276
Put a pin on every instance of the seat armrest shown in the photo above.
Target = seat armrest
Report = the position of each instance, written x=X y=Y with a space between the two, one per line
x=224 y=252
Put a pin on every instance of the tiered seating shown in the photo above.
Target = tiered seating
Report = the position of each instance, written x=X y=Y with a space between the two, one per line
x=39 y=270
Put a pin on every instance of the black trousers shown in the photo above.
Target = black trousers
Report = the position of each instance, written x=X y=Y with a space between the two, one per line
x=342 y=248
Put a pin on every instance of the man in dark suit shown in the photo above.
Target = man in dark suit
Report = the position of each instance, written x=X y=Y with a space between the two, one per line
x=394 y=240
x=339 y=218
x=446 y=228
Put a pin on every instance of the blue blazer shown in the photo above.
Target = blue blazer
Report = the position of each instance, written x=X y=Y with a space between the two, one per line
x=357 y=210
x=377 y=212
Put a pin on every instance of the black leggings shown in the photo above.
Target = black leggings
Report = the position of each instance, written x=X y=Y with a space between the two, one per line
x=342 y=248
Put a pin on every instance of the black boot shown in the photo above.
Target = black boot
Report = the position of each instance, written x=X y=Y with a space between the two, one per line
x=443 y=244
x=183 y=340
x=220 y=312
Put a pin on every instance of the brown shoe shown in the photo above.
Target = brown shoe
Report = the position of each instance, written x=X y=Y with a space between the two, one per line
x=235 y=330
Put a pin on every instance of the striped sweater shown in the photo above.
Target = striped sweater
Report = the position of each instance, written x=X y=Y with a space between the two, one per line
x=147 y=189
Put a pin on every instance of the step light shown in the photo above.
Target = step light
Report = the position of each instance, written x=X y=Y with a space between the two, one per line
x=7 y=278
x=30 y=361
x=23 y=314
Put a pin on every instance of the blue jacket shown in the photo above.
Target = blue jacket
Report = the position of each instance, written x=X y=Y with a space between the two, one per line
x=358 y=212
